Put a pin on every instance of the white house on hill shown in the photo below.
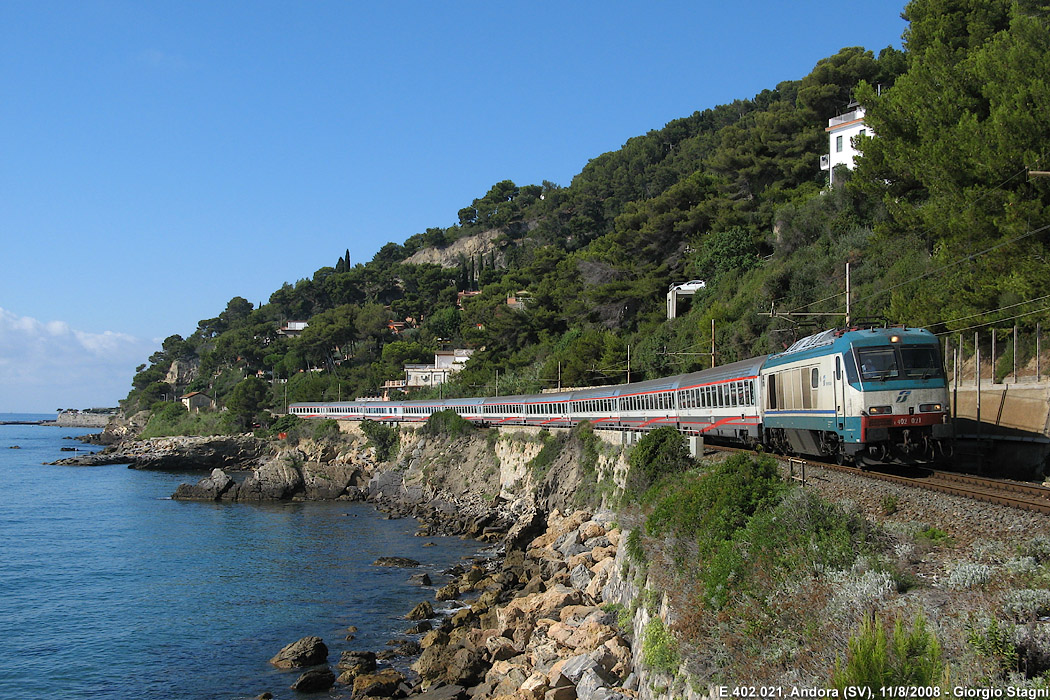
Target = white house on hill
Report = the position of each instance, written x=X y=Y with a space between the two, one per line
x=842 y=133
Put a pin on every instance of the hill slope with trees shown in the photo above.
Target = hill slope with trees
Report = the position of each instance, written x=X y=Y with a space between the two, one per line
x=939 y=222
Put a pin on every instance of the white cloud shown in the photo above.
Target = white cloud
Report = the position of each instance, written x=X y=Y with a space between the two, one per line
x=46 y=365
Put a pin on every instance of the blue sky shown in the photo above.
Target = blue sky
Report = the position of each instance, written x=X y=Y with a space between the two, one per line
x=159 y=158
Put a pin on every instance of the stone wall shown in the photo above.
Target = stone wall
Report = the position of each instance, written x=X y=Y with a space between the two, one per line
x=82 y=419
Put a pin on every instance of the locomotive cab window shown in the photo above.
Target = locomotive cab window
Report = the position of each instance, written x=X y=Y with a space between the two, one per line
x=877 y=363
x=921 y=362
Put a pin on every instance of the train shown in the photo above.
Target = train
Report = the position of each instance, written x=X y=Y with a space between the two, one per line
x=859 y=395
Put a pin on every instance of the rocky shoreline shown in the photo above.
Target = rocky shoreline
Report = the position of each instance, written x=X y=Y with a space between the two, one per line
x=533 y=627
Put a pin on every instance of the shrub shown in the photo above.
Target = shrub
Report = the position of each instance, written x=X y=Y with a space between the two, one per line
x=1038 y=548
x=447 y=424
x=634 y=549
x=173 y=419
x=889 y=505
x=1027 y=604
x=991 y=641
x=659 y=648
x=716 y=505
x=660 y=452
x=326 y=430
x=801 y=533
x=289 y=424
x=968 y=574
x=912 y=658
x=933 y=535
x=381 y=436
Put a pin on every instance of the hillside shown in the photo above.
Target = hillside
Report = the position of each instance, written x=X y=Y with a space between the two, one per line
x=939 y=222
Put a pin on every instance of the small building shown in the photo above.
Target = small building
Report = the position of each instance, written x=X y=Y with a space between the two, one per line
x=196 y=400
x=293 y=329
x=520 y=300
x=842 y=132
x=446 y=363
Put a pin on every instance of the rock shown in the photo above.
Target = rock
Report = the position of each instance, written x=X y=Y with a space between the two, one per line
x=420 y=579
x=574 y=669
x=397 y=562
x=434 y=637
x=449 y=592
x=420 y=627
x=277 y=479
x=404 y=647
x=211 y=488
x=580 y=577
x=423 y=611
x=467 y=667
x=315 y=680
x=308 y=651
x=383 y=684
x=357 y=663
x=179 y=453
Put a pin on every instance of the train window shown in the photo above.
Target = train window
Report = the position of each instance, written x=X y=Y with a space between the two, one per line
x=877 y=363
x=922 y=362
x=814 y=378
x=807 y=392
x=771 y=391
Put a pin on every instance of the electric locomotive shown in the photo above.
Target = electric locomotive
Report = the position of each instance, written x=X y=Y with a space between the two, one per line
x=864 y=396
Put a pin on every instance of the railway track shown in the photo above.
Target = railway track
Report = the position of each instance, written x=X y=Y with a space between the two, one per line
x=1013 y=494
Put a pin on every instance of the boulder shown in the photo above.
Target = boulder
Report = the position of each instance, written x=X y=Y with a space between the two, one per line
x=308 y=651
x=210 y=488
x=277 y=479
x=315 y=680
x=356 y=663
x=383 y=684
x=467 y=667
x=326 y=481
x=423 y=611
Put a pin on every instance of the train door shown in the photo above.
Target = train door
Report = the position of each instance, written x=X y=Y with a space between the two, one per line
x=840 y=397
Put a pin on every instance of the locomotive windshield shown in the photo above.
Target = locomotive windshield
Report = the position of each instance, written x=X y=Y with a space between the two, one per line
x=921 y=361
x=877 y=363
x=912 y=361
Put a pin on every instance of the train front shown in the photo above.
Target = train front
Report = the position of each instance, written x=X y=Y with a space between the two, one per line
x=900 y=395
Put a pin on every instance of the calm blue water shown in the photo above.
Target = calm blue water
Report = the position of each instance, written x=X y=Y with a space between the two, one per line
x=108 y=589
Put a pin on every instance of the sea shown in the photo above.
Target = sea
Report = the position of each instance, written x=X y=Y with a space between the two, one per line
x=110 y=589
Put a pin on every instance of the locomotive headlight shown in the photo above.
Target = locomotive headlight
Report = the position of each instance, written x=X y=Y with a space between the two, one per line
x=880 y=410
x=895 y=339
x=931 y=407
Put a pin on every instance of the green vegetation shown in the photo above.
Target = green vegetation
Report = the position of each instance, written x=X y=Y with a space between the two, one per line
x=661 y=452
x=659 y=648
x=382 y=437
x=169 y=419
x=448 y=424
x=911 y=659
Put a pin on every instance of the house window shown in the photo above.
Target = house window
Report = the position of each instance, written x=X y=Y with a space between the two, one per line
x=863 y=132
x=838 y=144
